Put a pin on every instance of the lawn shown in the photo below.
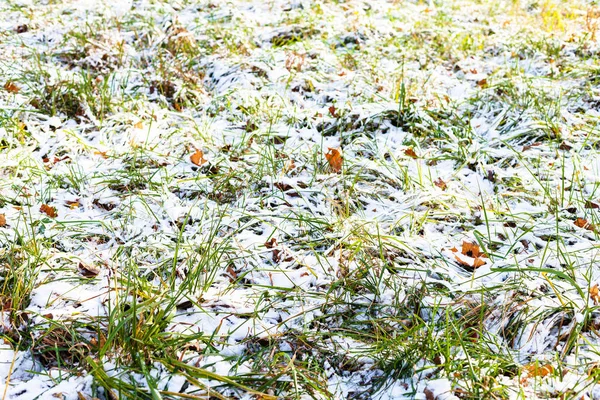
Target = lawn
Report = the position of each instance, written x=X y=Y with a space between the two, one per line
x=296 y=199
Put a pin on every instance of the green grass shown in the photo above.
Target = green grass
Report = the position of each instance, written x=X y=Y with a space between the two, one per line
x=263 y=273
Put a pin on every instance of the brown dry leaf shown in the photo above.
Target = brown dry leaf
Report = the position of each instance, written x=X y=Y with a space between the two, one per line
x=334 y=156
x=11 y=87
x=49 y=211
x=411 y=153
x=565 y=146
x=232 y=274
x=440 y=183
x=198 y=158
x=289 y=165
x=88 y=270
x=583 y=223
x=536 y=370
x=591 y=204
x=529 y=146
x=333 y=111
x=73 y=204
x=595 y=294
x=2 y=220
x=429 y=394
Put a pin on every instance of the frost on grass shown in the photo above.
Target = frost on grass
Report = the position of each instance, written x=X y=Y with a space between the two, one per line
x=299 y=199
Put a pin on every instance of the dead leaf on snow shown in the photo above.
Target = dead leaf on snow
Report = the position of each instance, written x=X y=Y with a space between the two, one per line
x=72 y=204
x=411 y=153
x=440 y=183
x=88 y=270
x=333 y=111
x=198 y=158
x=583 y=223
x=334 y=157
x=471 y=255
x=2 y=220
x=595 y=294
x=536 y=370
x=49 y=210
x=11 y=87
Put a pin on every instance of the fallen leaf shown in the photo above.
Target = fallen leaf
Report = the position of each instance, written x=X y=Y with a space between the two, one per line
x=471 y=255
x=105 y=206
x=472 y=250
x=2 y=220
x=595 y=294
x=529 y=146
x=583 y=223
x=88 y=270
x=565 y=146
x=333 y=111
x=232 y=273
x=429 y=394
x=198 y=158
x=11 y=87
x=138 y=125
x=591 y=204
x=289 y=165
x=72 y=204
x=49 y=211
x=536 y=370
x=482 y=83
x=335 y=159
x=411 y=153
x=440 y=183
x=476 y=263
x=101 y=153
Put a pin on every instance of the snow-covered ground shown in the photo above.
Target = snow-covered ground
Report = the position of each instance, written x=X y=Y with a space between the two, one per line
x=172 y=224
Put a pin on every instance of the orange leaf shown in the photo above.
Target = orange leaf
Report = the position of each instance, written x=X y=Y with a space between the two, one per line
x=472 y=250
x=411 y=153
x=198 y=157
x=2 y=220
x=101 y=153
x=478 y=262
x=595 y=294
x=138 y=125
x=536 y=370
x=582 y=223
x=440 y=183
x=49 y=211
x=335 y=159
x=462 y=262
x=289 y=165
x=11 y=87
